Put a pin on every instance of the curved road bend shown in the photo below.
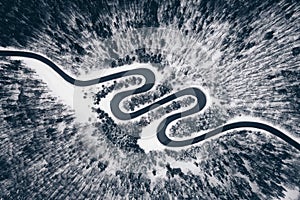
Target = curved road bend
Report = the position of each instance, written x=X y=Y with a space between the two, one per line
x=149 y=82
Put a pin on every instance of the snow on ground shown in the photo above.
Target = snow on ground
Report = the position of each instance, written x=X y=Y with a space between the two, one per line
x=57 y=85
x=105 y=102
x=149 y=142
x=75 y=97
x=291 y=194
x=81 y=99
x=256 y=119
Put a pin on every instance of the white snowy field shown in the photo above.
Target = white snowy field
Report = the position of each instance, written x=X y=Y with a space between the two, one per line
x=81 y=100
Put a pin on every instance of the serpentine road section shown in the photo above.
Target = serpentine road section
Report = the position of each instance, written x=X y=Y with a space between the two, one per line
x=149 y=82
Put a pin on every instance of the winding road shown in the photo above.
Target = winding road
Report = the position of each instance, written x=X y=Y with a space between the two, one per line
x=149 y=82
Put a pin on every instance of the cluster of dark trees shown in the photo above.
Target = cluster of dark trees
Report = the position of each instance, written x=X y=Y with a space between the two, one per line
x=148 y=97
x=31 y=139
x=208 y=120
x=35 y=150
x=115 y=134
x=139 y=55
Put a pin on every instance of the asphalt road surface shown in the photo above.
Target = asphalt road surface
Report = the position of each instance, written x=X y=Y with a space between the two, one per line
x=149 y=82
